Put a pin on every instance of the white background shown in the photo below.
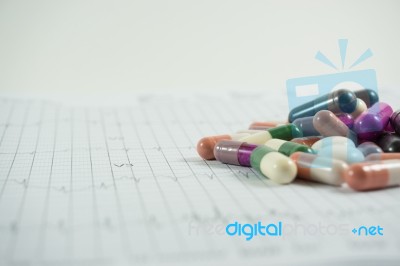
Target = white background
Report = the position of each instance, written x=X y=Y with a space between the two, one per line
x=103 y=46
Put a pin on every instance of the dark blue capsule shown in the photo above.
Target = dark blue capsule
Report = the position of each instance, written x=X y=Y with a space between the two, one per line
x=340 y=101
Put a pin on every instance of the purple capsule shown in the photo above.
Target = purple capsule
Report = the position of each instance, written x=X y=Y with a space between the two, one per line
x=347 y=119
x=371 y=123
x=234 y=152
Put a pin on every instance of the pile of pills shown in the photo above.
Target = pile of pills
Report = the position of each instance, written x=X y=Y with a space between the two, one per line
x=342 y=137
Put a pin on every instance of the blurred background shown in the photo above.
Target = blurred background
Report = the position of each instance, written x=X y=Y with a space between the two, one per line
x=93 y=47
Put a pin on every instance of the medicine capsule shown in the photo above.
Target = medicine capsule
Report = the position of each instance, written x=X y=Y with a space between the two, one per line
x=327 y=124
x=285 y=132
x=369 y=97
x=395 y=121
x=383 y=156
x=249 y=131
x=389 y=142
x=271 y=124
x=332 y=141
x=274 y=165
x=340 y=101
x=347 y=119
x=347 y=153
x=307 y=141
x=205 y=146
x=233 y=152
x=368 y=148
x=371 y=124
x=360 y=108
x=305 y=124
x=319 y=169
x=287 y=147
x=373 y=175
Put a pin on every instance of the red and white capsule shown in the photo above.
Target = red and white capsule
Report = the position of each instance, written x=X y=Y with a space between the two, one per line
x=373 y=175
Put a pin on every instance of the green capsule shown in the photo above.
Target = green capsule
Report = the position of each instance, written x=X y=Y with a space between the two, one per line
x=286 y=147
x=273 y=165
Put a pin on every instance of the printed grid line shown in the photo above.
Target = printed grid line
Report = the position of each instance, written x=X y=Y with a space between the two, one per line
x=229 y=192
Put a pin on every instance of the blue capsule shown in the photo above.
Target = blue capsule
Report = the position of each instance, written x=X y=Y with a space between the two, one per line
x=340 y=101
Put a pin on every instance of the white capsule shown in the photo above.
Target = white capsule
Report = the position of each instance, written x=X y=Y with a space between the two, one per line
x=329 y=141
x=283 y=171
x=249 y=131
x=347 y=153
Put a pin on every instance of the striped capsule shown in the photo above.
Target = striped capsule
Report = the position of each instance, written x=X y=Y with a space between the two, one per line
x=287 y=147
x=274 y=165
x=369 y=97
x=371 y=123
x=319 y=169
x=307 y=141
x=205 y=146
x=266 y=125
x=339 y=101
x=383 y=156
x=233 y=152
x=373 y=175
x=389 y=142
x=327 y=124
x=285 y=132
x=368 y=148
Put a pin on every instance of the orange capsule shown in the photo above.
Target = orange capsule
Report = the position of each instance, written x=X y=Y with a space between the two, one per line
x=383 y=156
x=205 y=146
x=308 y=141
x=265 y=125
x=373 y=175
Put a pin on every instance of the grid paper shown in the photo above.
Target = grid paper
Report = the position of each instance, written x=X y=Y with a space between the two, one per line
x=123 y=185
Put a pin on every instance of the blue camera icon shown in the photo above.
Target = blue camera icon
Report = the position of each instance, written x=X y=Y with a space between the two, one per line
x=305 y=89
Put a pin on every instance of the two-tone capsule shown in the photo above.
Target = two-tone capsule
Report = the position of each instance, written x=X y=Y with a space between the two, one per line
x=274 y=165
x=205 y=146
x=287 y=147
x=325 y=123
x=373 y=175
x=340 y=101
x=285 y=132
x=319 y=169
x=368 y=96
x=234 y=152
x=360 y=108
x=328 y=124
x=371 y=124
